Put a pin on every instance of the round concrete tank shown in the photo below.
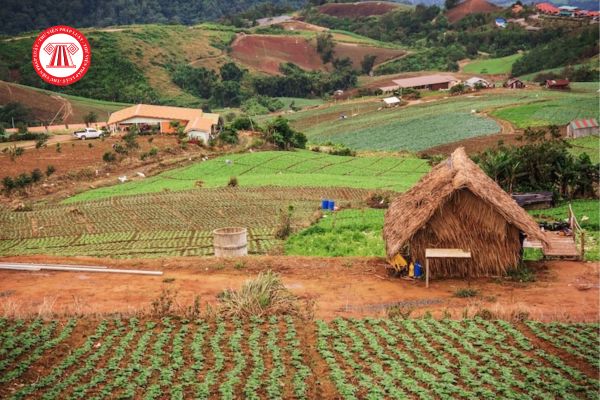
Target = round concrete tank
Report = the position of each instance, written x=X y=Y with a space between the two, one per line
x=230 y=242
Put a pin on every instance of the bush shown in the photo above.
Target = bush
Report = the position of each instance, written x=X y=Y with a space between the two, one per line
x=265 y=295
x=50 y=170
x=243 y=123
x=284 y=229
x=233 y=182
x=8 y=184
x=465 y=292
x=36 y=175
x=229 y=136
x=109 y=156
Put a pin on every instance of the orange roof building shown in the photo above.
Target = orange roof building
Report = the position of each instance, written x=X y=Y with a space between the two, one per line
x=197 y=124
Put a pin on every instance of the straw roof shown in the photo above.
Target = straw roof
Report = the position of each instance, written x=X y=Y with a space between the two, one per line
x=411 y=211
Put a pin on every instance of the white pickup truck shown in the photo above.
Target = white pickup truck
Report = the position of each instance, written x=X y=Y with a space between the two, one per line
x=88 y=133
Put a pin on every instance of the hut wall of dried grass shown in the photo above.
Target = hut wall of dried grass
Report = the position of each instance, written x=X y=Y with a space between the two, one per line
x=465 y=222
x=457 y=205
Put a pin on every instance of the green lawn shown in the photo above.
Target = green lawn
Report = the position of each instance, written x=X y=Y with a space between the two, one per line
x=589 y=145
x=277 y=168
x=300 y=102
x=339 y=234
x=502 y=65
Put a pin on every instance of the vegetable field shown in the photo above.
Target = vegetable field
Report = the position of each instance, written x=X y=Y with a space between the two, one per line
x=278 y=168
x=435 y=122
x=280 y=357
x=163 y=224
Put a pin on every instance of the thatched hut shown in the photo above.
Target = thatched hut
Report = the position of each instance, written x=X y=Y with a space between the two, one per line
x=457 y=205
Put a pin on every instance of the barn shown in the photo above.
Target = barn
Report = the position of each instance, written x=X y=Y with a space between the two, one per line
x=430 y=82
x=197 y=124
x=582 y=127
x=457 y=206
x=476 y=81
x=557 y=84
x=514 y=83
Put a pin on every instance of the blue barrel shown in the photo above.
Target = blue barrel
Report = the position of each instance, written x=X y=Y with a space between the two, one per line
x=418 y=270
x=325 y=204
x=331 y=205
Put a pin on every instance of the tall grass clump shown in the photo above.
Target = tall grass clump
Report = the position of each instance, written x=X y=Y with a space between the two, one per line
x=264 y=295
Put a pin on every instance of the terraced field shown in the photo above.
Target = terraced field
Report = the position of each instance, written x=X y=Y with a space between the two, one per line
x=439 y=121
x=280 y=357
x=165 y=224
x=278 y=168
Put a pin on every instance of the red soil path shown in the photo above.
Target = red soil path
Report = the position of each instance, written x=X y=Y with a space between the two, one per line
x=354 y=10
x=338 y=286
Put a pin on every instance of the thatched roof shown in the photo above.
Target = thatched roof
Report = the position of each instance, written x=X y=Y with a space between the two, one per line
x=411 y=211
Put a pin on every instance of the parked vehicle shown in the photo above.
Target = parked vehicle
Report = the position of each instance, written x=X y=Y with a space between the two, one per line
x=88 y=133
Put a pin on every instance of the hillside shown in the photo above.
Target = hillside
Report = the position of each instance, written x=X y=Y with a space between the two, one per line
x=47 y=106
x=358 y=9
x=27 y=15
x=266 y=52
x=468 y=7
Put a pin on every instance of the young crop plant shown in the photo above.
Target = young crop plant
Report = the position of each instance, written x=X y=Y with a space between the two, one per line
x=203 y=390
x=297 y=359
x=254 y=381
x=227 y=388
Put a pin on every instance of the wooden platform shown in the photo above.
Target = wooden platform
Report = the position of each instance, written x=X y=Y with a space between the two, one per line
x=558 y=245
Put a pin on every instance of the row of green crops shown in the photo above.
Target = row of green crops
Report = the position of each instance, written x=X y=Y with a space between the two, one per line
x=165 y=224
x=280 y=357
x=435 y=122
x=278 y=168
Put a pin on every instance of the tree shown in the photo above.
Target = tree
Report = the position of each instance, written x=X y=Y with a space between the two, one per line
x=231 y=72
x=325 y=46
x=367 y=63
x=283 y=136
x=449 y=4
x=15 y=112
x=197 y=81
x=90 y=118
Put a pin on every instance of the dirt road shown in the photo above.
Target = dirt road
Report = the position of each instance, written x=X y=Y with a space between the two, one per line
x=338 y=287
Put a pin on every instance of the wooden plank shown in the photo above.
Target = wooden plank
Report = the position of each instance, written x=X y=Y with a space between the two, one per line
x=447 y=253
x=76 y=269
x=55 y=265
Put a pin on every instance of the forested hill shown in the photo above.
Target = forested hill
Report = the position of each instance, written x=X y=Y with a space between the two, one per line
x=26 y=15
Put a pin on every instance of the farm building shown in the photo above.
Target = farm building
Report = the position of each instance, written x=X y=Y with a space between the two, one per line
x=197 y=124
x=514 y=83
x=431 y=82
x=477 y=82
x=457 y=206
x=557 y=84
x=391 y=101
x=582 y=127
x=547 y=8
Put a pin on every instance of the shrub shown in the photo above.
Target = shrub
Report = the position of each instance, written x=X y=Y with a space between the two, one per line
x=23 y=180
x=243 y=123
x=522 y=273
x=8 y=184
x=41 y=141
x=465 y=292
x=36 y=175
x=50 y=170
x=109 y=156
x=120 y=149
x=265 y=295
x=229 y=136
x=284 y=229
x=233 y=182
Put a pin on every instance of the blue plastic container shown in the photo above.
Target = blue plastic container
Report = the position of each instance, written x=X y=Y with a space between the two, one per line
x=331 y=205
x=325 y=204
x=418 y=270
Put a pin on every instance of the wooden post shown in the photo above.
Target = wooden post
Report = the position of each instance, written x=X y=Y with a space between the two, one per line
x=426 y=272
x=582 y=245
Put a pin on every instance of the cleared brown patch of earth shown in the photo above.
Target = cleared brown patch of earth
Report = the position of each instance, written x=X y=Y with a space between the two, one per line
x=349 y=287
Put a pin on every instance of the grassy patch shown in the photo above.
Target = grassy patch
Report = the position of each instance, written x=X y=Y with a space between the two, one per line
x=277 y=168
x=500 y=65
x=344 y=233
x=465 y=292
x=589 y=145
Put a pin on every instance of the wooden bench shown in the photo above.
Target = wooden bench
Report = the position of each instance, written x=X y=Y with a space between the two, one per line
x=442 y=253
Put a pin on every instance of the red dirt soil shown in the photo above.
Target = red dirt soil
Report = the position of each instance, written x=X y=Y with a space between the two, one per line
x=265 y=53
x=470 y=7
x=350 y=287
x=354 y=10
x=45 y=106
